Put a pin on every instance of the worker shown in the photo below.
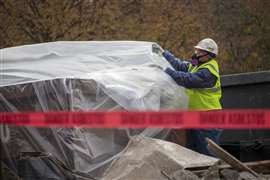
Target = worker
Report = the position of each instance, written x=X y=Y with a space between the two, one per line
x=201 y=79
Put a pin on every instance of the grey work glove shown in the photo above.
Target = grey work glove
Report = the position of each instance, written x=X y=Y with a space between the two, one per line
x=157 y=49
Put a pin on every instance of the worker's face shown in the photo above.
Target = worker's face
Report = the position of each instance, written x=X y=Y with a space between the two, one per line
x=201 y=53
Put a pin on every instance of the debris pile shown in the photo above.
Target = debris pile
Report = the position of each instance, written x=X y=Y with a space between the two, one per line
x=147 y=158
x=153 y=159
x=90 y=76
x=218 y=173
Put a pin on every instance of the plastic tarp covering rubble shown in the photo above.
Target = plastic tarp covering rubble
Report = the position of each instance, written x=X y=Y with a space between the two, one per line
x=79 y=76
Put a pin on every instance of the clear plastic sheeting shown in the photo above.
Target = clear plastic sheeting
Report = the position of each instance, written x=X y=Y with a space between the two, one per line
x=79 y=76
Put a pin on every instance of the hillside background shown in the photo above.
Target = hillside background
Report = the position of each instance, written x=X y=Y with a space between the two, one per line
x=240 y=27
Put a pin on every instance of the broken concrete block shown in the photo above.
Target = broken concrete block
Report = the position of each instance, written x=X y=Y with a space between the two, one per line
x=212 y=173
x=184 y=175
x=147 y=158
x=229 y=174
x=247 y=176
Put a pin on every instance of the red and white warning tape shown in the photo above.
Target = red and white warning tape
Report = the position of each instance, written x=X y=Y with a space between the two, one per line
x=234 y=119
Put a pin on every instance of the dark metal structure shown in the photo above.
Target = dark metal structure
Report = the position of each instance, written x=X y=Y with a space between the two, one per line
x=244 y=91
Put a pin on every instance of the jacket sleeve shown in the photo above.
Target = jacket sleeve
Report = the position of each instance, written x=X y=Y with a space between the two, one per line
x=176 y=63
x=203 y=78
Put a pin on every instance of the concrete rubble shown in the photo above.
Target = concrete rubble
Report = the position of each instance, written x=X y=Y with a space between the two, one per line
x=153 y=159
x=147 y=158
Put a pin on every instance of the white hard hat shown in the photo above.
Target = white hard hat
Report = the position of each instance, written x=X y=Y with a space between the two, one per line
x=208 y=45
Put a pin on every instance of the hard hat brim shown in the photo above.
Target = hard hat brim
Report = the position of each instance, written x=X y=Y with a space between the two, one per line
x=198 y=47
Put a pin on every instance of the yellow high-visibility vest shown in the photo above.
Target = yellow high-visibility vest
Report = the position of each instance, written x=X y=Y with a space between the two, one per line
x=205 y=98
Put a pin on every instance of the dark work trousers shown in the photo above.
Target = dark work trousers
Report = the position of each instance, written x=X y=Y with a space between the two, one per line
x=196 y=139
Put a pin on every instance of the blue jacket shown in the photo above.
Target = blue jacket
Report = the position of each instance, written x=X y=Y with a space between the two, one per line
x=203 y=78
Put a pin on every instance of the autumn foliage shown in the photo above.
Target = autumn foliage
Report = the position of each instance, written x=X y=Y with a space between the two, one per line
x=240 y=27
